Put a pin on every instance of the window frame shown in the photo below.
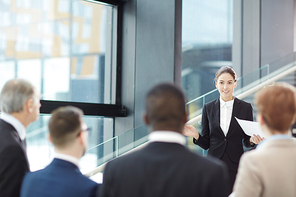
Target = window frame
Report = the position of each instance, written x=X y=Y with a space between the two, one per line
x=99 y=109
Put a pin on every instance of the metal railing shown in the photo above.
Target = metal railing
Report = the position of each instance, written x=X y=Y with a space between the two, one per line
x=266 y=77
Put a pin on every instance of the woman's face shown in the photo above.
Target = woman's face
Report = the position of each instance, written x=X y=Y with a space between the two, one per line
x=225 y=85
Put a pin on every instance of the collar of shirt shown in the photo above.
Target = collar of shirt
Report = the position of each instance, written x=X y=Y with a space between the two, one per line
x=19 y=127
x=228 y=103
x=167 y=136
x=68 y=158
x=275 y=137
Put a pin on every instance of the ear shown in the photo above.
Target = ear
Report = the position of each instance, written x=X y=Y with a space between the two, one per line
x=146 y=119
x=49 y=138
x=81 y=137
x=260 y=119
x=293 y=120
x=235 y=84
x=29 y=105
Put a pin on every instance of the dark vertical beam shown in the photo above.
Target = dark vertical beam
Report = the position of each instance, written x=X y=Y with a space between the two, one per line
x=119 y=55
x=178 y=43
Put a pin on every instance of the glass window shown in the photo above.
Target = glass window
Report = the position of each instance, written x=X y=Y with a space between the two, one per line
x=41 y=152
x=7 y=69
x=62 y=47
x=65 y=49
x=207 y=37
x=206 y=43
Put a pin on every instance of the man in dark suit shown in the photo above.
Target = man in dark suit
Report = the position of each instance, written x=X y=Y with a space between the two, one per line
x=165 y=167
x=20 y=103
x=62 y=177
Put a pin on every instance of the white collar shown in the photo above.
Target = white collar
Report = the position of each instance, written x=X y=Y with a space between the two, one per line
x=228 y=103
x=19 y=127
x=167 y=136
x=68 y=158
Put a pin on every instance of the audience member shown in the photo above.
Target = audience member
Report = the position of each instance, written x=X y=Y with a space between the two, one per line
x=165 y=167
x=269 y=170
x=20 y=104
x=62 y=177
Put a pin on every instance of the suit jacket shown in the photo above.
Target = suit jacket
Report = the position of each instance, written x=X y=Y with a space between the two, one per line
x=268 y=171
x=13 y=161
x=212 y=136
x=164 y=170
x=59 y=179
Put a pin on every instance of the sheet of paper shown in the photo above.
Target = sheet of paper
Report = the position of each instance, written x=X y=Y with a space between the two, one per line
x=250 y=128
x=232 y=195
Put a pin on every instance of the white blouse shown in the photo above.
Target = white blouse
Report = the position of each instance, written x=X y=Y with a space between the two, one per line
x=225 y=114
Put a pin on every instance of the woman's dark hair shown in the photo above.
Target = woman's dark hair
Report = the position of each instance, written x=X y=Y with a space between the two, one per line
x=225 y=69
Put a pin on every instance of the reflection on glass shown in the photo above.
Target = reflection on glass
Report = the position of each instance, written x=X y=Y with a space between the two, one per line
x=61 y=40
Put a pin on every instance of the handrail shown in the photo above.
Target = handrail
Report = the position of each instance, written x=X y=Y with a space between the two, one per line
x=100 y=168
x=198 y=118
x=252 y=90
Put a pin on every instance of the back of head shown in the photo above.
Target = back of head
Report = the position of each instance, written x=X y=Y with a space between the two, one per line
x=65 y=125
x=277 y=104
x=165 y=108
x=15 y=94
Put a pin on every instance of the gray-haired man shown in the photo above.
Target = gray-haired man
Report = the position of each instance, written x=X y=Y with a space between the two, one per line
x=20 y=104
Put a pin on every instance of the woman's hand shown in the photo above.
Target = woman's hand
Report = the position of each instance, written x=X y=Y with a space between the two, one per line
x=256 y=139
x=191 y=131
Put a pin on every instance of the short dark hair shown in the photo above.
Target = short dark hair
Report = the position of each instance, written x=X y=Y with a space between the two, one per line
x=165 y=105
x=225 y=69
x=277 y=105
x=64 y=125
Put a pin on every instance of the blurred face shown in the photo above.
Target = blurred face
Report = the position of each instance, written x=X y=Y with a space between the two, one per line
x=84 y=137
x=225 y=85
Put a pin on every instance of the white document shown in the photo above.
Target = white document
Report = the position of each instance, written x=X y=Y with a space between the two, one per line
x=250 y=128
x=232 y=195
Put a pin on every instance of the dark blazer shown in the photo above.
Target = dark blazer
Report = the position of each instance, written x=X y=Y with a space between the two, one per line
x=164 y=170
x=212 y=136
x=13 y=161
x=59 y=179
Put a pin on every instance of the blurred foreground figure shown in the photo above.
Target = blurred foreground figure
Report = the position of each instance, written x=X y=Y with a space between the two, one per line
x=62 y=177
x=269 y=170
x=165 y=167
x=20 y=104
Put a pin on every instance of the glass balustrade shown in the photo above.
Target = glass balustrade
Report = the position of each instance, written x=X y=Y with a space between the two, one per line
x=100 y=151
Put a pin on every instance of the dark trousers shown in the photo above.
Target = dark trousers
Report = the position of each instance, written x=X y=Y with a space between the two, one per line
x=232 y=168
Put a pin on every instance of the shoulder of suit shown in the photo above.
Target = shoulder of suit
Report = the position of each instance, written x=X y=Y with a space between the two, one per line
x=3 y=123
x=212 y=102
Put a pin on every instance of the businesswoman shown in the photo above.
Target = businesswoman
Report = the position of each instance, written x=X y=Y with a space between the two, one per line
x=221 y=133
